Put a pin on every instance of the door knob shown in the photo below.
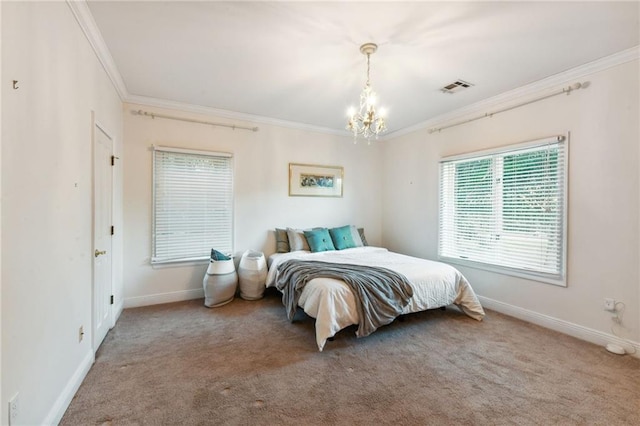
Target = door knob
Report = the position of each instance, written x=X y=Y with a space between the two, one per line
x=98 y=252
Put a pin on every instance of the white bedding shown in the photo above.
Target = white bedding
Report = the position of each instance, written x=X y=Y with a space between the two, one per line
x=332 y=303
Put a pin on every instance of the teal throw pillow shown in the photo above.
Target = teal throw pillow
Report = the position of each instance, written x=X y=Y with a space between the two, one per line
x=319 y=240
x=342 y=238
x=216 y=255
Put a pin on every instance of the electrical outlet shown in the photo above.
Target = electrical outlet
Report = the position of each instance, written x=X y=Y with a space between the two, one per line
x=14 y=409
x=609 y=304
x=80 y=334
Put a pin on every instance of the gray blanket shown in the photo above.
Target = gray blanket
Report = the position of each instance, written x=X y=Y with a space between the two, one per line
x=380 y=293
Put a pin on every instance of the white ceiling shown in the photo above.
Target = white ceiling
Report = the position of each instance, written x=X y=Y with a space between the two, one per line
x=300 y=61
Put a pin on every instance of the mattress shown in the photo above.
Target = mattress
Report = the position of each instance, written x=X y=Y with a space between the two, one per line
x=332 y=304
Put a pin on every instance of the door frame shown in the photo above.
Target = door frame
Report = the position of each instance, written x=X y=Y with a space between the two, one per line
x=95 y=127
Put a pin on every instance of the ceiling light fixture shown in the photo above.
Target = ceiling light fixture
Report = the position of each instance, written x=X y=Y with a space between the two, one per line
x=364 y=120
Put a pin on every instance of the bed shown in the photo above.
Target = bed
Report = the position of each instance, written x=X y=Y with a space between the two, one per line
x=331 y=302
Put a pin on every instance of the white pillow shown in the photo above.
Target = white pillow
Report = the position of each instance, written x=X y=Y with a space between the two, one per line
x=356 y=236
x=297 y=240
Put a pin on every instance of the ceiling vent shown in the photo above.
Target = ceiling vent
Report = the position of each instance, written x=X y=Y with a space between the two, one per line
x=456 y=86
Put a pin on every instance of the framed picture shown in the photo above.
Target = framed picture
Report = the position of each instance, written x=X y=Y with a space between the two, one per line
x=310 y=180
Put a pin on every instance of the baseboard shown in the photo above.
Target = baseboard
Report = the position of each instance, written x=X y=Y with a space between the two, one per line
x=62 y=403
x=562 y=326
x=157 y=299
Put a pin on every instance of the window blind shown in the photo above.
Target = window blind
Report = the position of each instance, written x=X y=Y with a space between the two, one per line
x=507 y=209
x=192 y=204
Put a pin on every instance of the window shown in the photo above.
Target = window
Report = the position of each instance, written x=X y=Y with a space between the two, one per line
x=192 y=204
x=505 y=210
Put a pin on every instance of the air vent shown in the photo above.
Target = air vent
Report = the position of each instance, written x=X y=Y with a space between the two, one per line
x=456 y=86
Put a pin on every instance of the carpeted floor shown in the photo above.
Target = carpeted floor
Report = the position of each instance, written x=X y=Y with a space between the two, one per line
x=245 y=364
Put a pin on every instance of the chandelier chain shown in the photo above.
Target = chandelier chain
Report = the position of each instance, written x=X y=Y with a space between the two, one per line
x=368 y=67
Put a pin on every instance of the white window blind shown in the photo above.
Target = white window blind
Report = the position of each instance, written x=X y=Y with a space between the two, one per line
x=506 y=210
x=192 y=204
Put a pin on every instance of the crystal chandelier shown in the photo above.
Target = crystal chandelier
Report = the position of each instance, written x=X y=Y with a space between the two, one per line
x=364 y=121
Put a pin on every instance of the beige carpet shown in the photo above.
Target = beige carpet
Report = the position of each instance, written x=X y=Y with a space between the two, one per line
x=245 y=364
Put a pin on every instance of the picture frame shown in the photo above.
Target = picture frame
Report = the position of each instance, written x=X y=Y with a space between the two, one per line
x=313 y=180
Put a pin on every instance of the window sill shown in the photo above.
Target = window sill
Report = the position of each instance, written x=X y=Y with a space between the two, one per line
x=505 y=271
x=180 y=263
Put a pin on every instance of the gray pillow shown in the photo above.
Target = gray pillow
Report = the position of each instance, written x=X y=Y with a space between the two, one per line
x=282 y=241
x=297 y=240
x=364 y=240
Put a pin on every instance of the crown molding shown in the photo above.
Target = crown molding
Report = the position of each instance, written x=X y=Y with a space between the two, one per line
x=81 y=12
x=83 y=16
x=524 y=92
x=199 y=109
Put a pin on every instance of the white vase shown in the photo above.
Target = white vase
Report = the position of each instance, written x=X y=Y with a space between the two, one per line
x=252 y=275
x=220 y=283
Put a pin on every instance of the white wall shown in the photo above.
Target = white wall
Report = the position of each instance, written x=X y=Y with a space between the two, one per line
x=262 y=203
x=603 y=218
x=46 y=180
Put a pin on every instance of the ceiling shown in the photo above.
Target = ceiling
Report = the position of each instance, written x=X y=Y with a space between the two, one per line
x=300 y=61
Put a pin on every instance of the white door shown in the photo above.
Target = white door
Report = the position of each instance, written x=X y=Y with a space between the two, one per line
x=102 y=198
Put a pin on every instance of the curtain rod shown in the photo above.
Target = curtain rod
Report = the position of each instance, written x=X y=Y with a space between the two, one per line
x=189 y=120
x=566 y=90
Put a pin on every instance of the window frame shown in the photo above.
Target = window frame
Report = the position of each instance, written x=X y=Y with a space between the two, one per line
x=164 y=261
x=561 y=278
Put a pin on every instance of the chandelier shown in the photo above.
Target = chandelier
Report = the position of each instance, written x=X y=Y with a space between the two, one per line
x=364 y=120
